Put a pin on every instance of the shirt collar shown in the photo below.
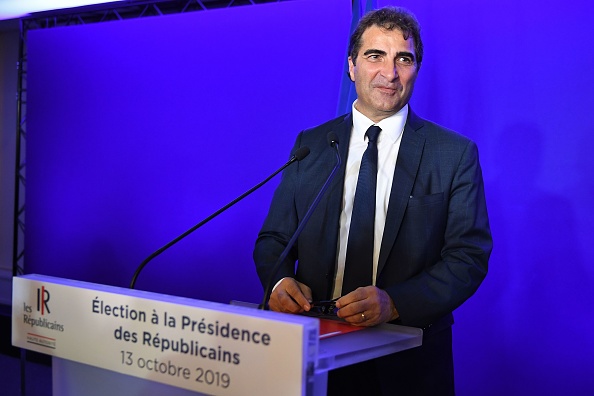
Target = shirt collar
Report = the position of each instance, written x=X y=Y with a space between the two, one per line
x=392 y=126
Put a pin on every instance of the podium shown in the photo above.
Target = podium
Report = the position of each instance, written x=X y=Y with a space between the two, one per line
x=106 y=340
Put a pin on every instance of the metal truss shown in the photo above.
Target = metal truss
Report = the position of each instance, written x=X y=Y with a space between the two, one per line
x=131 y=9
x=19 y=188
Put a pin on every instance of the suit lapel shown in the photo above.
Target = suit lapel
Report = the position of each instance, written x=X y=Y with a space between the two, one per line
x=335 y=191
x=405 y=173
x=343 y=131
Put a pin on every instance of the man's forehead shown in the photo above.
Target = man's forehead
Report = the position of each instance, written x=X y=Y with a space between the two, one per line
x=370 y=32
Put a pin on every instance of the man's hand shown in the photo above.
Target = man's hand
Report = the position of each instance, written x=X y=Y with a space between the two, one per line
x=290 y=296
x=366 y=306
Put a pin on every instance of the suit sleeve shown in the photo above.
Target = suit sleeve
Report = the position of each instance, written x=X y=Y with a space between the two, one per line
x=442 y=287
x=279 y=225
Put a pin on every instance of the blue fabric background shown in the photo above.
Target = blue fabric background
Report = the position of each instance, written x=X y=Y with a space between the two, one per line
x=139 y=129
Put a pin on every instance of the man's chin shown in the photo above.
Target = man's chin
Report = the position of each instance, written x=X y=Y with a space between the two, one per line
x=390 y=108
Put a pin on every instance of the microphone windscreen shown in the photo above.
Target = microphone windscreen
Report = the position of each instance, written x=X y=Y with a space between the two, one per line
x=301 y=153
x=332 y=138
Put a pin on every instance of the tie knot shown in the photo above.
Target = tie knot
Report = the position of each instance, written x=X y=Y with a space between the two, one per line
x=373 y=132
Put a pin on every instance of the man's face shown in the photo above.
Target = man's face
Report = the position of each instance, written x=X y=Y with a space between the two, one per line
x=384 y=72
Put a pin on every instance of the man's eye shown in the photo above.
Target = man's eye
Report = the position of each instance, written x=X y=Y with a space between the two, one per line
x=404 y=60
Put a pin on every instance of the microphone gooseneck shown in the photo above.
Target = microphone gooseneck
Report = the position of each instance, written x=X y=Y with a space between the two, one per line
x=333 y=142
x=300 y=154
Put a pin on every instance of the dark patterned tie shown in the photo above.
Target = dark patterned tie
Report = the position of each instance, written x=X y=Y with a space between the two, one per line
x=359 y=258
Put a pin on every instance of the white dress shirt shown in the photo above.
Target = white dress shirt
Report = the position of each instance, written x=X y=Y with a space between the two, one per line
x=388 y=145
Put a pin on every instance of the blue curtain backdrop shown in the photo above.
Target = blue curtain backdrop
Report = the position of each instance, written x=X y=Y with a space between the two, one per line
x=139 y=129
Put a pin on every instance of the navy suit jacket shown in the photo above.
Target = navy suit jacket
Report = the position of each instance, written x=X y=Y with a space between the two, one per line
x=436 y=241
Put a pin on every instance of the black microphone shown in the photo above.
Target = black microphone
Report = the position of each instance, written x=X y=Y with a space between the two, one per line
x=301 y=153
x=332 y=141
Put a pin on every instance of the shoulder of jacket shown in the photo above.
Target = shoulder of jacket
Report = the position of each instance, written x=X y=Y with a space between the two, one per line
x=328 y=125
x=432 y=130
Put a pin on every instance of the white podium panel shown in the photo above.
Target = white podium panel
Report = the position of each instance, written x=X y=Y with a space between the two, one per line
x=190 y=344
x=114 y=341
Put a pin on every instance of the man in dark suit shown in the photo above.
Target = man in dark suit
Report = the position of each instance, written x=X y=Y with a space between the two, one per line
x=431 y=239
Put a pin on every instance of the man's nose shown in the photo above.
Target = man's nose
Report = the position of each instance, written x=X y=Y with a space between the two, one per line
x=389 y=71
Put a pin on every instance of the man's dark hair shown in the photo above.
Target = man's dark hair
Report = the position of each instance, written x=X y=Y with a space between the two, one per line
x=389 y=18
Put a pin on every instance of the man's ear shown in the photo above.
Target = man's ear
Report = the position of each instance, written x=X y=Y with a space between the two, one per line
x=351 y=72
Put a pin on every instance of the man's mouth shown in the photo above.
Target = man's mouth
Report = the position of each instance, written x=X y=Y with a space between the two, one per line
x=388 y=90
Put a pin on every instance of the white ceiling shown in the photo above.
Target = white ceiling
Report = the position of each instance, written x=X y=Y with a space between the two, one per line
x=10 y=9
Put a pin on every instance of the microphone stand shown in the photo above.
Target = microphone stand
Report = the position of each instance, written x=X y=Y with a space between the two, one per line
x=333 y=140
x=301 y=153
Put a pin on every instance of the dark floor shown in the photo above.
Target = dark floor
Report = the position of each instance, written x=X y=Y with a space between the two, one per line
x=16 y=365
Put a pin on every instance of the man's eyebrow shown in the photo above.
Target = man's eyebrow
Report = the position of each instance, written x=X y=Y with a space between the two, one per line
x=374 y=51
x=406 y=53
